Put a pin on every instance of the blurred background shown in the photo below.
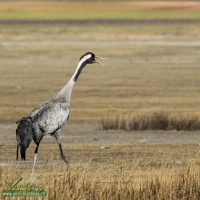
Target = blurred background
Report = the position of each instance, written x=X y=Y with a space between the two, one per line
x=152 y=50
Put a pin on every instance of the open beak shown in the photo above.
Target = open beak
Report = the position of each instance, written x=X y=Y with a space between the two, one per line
x=99 y=62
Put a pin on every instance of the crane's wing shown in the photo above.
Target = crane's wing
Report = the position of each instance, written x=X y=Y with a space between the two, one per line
x=50 y=116
x=39 y=108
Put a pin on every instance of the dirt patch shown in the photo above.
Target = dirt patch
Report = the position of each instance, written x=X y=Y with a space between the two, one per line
x=99 y=21
x=74 y=133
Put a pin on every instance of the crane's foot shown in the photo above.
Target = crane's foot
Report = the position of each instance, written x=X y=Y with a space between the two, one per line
x=63 y=157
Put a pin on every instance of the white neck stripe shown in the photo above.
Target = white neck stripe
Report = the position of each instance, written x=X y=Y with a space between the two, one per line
x=80 y=63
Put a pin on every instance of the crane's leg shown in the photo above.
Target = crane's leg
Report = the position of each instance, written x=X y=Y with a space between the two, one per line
x=57 y=135
x=34 y=161
x=37 y=134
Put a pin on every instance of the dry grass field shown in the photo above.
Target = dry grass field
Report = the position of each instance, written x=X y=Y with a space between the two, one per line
x=99 y=10
x=149 y=68
x=121 y=172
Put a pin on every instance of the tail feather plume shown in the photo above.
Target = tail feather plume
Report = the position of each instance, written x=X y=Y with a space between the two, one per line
x=23 y=136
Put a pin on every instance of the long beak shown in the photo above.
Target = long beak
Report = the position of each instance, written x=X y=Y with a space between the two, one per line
x=101 y=58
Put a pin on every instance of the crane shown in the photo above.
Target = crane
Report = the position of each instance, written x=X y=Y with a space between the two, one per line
x=50 y=116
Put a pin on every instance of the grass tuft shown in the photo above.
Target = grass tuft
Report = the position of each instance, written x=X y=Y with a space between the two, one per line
x=156 y=120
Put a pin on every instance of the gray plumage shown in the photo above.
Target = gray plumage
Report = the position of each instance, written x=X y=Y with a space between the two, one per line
x=49 y=116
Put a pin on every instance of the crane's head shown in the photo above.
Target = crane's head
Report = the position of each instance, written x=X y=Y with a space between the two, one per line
x=89 y=58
